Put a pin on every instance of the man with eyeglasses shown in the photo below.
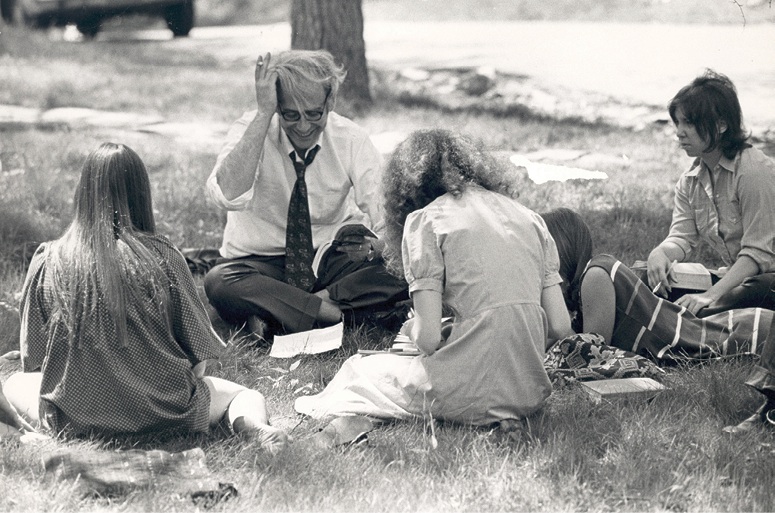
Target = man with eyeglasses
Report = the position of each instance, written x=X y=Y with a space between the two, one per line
x=300 y=185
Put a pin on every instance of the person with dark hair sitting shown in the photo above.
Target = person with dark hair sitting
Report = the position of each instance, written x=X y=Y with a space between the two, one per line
x=114 y=338
x=727 y=199
x=606 y=297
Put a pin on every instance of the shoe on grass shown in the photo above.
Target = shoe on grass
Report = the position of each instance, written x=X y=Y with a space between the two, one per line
x=762 y=417
x=350 y=429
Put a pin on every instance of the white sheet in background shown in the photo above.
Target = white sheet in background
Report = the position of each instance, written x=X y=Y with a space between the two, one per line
x=542 y=173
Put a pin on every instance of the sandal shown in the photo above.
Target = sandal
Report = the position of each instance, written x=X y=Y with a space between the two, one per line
x=342 y=431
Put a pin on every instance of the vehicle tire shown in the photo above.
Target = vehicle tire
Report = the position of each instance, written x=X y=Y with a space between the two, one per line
x=89 y=26
x=180 y=18
x=6 y=10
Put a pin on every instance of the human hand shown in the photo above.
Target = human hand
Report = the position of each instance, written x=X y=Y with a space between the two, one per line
x=659 y=272
x=406 y=328
x=266 y=84
x=695 y=302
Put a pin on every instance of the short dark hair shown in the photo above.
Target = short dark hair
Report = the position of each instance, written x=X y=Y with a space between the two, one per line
x=709 y=100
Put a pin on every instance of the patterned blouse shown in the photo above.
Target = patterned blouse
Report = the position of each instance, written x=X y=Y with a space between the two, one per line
x=93 y=384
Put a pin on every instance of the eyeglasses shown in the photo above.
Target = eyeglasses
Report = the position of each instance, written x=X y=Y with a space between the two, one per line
x=309 y=115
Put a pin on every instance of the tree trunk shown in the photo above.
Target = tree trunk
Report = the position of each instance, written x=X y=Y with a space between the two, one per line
x=336 y=26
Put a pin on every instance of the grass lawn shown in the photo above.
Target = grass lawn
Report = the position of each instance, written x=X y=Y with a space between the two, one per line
x=667 y=454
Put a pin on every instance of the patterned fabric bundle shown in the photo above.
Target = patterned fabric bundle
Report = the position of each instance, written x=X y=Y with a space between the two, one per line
x=586 y=357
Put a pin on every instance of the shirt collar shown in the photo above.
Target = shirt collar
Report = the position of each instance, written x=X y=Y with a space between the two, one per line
x=727 y=164
x=696 y=168
x=723 y=163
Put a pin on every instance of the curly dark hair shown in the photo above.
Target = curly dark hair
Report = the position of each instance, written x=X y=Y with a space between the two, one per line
x=429 y=164
x=707 y=101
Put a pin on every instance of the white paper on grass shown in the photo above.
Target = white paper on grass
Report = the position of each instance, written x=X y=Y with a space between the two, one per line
x=542 y=173
x=308 y=342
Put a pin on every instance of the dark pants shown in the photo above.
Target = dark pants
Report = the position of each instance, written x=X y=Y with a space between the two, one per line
x=763 y=376
x=254 y=285
x=756 y=291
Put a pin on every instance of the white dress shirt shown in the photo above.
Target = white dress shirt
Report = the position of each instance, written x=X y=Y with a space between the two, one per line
x=342 y=188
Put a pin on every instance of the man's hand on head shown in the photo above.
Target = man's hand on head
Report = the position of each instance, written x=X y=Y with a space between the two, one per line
x=266 y=84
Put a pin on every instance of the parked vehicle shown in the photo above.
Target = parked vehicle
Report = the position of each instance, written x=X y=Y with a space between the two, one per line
x=88 y=15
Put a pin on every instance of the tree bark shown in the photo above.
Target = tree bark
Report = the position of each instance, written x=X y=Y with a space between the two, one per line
x=336 y=26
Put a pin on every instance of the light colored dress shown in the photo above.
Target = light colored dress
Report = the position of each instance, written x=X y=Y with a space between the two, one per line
x=490 y=258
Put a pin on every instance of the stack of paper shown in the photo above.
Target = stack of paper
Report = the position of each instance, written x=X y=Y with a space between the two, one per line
x=308 y=342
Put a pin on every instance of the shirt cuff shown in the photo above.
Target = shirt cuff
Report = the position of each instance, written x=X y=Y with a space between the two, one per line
x=426 y=284
x=685 y=245
x=217 y=196
x=552 y=279
x=762 y=258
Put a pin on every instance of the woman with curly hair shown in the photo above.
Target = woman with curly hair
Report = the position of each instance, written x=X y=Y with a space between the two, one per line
x=464 y=245
x=114 y=337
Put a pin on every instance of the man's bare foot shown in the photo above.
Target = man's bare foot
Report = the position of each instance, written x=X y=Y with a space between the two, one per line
x=257 y=326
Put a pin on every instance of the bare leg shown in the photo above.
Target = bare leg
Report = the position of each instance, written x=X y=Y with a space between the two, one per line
x=598 y=303
x=23 y=392
x=246 y=411
x=9 y=416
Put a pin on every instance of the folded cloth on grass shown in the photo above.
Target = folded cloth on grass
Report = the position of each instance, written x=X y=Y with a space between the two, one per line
x=108 y=473
x=586 y=357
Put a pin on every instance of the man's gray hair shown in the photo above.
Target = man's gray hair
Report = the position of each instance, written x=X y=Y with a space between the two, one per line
x=297 y=70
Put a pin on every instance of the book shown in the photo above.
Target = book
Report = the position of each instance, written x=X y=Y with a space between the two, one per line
x=608 y=389
x=686 y=275
x=402 y=346
x=691 y=276
x=308 y=342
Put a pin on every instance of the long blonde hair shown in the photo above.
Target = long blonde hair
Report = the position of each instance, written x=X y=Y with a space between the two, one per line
x=100 y=259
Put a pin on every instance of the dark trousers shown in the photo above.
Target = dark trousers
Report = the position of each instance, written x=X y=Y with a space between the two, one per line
x=756 y=291
x=254 y=285
x=763 y=376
